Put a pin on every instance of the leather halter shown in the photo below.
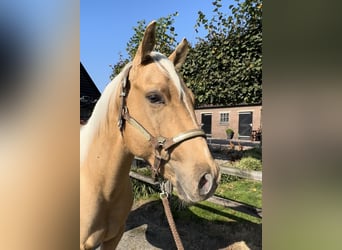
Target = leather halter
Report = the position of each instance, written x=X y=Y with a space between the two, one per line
x=160 y=144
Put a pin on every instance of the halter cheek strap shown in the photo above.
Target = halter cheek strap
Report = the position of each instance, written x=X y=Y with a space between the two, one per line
x=123 y=94
x=160 y=144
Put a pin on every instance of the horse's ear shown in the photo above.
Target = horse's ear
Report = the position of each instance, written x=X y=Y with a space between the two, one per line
x=147 y=44
x=178 y=56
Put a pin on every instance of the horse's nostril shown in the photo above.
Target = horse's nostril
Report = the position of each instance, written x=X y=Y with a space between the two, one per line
x=205 y=184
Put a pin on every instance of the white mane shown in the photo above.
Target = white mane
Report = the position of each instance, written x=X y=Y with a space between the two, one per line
x=99 y=113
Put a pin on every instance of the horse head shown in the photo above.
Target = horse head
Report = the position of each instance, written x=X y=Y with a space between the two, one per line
x=160 y=123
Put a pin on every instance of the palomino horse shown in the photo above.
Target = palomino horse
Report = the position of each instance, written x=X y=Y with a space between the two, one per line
x=146 y=111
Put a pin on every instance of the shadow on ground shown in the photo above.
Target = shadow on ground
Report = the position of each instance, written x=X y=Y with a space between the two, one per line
x=147 y=228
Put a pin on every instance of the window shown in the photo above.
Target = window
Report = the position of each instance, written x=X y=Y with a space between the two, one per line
x=224 y=118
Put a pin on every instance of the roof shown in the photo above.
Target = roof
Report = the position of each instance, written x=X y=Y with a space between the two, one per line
x=88 y=88
x=227 y=106
x=89 y=94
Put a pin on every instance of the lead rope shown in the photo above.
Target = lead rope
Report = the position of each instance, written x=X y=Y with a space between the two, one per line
x=164 y=197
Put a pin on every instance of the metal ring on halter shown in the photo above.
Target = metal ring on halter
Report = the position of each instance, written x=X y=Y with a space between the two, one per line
x=164 y=193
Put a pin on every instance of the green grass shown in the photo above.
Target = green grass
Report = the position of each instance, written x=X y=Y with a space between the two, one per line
x=144 y=171
x=209 y=211
x=246 y=191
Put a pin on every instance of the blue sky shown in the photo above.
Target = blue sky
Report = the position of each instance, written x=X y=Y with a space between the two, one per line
x=106 y=27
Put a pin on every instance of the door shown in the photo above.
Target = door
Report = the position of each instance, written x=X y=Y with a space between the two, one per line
x=206 y=123
x=245 y=125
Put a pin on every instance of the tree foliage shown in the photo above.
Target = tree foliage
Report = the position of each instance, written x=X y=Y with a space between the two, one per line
x=165 y=40
x=225 y=67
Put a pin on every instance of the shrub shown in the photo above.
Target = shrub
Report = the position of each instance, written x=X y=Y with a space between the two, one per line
x=229 y=131
x=225 y=178
x=142 y=190
x=254 y=153
x=250 y=163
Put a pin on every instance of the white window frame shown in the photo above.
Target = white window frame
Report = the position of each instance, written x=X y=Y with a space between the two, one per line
x=221 y=115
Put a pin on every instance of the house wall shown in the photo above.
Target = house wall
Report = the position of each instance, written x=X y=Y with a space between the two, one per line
x=219 y=129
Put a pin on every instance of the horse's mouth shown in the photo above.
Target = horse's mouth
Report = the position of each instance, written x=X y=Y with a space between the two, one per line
x=167 y=172
x=183 y=195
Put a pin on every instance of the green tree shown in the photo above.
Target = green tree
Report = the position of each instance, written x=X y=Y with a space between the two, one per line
x=225 y=67
x=165 y=40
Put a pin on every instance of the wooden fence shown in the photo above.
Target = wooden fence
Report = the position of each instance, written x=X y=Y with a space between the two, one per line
x=226 y=202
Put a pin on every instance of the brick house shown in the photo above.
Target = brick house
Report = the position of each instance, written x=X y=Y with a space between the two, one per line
x=245 y=120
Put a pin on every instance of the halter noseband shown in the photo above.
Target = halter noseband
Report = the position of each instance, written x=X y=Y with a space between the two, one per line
x=159 y=143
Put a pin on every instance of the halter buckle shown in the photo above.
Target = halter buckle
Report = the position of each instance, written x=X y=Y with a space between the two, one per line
x=160 y=141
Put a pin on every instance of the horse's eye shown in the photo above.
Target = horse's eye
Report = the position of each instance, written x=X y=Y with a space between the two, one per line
x=155 y=98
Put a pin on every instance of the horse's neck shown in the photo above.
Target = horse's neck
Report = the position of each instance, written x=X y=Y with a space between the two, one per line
x=108 y=162
x=104 y=158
